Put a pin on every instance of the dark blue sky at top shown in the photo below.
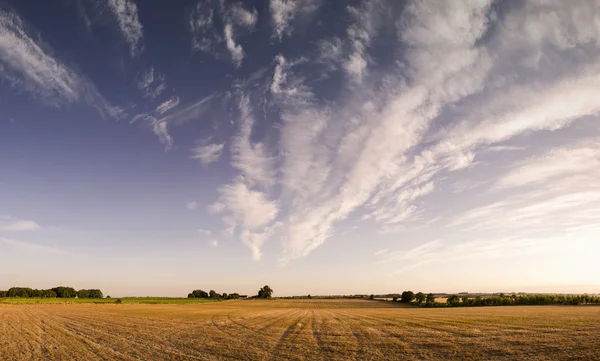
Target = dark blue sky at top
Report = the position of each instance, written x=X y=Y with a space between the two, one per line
x=100 y=53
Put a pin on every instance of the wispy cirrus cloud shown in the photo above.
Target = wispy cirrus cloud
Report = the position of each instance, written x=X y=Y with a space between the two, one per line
x=126 y=14
x=29 y=65
x=208 y=154
x=12 y=224
x=283 y=13
x=151 y=83
x=248 y=213
x=392 y=137
x=214 y=24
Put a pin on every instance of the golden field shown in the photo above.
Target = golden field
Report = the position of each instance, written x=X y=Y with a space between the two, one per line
x=296 y=330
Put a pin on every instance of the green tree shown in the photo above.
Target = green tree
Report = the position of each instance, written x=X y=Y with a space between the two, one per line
x=265 y=292
x=95 y=293
x=372 y=297
x=430 y=298
x=225 y=296
x=65 y=292
x=83 y=294
x=200 y=294
x=48 y=294
x=421 y=298
x=453 y=300
x=407 y=296
x=212 y=294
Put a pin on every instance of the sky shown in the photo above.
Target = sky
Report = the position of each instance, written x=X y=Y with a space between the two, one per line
x=149 y=148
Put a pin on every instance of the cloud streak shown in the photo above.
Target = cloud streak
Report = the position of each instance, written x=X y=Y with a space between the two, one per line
x=215 y=24
x=29 y=65
x=126 y=14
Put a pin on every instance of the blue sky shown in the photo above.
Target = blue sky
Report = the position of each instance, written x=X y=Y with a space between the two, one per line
x=151 y=148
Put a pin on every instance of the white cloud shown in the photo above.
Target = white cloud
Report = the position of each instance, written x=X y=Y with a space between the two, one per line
x=201 y=24
x=160 y=128
x=580 y=159
x=283 y=13
x=214 y=243
x=28 y=64
x=452 y=87
x=237 y=54
x=248 y=211
x=167 y=105
x=235 y=19
x=17 y=225
x=193 y=111
x=151 y=84
x=380 y=252
x=208 y=154
x=249 y=157
x=204 y=232
x=192 y=206
x=127 y=17
x=161 y=118
x=241 y=16
x=247 y=208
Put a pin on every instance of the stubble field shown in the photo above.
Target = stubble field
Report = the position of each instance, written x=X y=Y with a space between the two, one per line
x=296 y=330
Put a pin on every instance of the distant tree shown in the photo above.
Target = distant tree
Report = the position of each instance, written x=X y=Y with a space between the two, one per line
x=407 y=296
x=420 y=297
x=23 y=292
x=48 y=294
x=234 y=296
x=309 y=296
x=200 y=294
x=3 y=294
x=395 y=299
x=465 y=300
x=108 y=296
x=372 y=297
x=212 y=294
x=265 y=292
x=430 y=298
x=83 y=294
x=118 y=301
x=191 y=295
x=453 y=300
x=95 y=293
x=225 y=296
x=65 y=292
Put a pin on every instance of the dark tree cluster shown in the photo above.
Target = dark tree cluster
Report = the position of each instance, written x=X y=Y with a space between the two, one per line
x=265 y=292
x=93 y=293
x=56 y=292
x=420 y=298
x=504 y=300
x=213 y=294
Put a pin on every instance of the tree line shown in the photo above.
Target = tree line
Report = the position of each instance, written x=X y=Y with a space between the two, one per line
x=56 y=292
x=429 y=300
x=264 y=292
x=213 y=294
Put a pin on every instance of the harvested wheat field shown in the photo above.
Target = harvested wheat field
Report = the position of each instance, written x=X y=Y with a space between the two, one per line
x=297 y=330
